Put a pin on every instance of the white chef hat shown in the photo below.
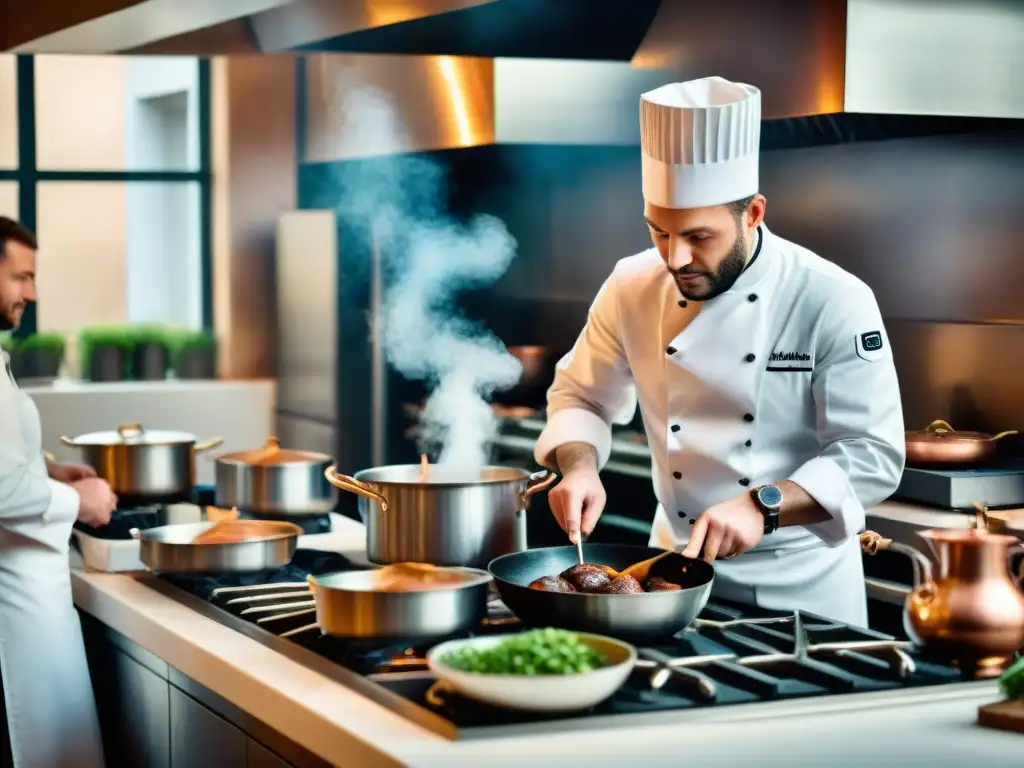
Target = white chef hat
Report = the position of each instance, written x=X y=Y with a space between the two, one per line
x=699 y=142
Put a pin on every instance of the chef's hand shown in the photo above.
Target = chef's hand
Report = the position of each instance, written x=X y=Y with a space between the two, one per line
x=69 y=473
x=578 y=501
x=96 y=501
x=727 y=529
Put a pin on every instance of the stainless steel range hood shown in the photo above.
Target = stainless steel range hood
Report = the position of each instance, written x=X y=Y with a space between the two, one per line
x=809 y=57
x=910 y=57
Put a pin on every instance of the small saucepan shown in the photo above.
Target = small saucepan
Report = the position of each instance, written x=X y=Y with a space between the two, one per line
x=939 y=444
x=229 y=546
x=358 y=605
x=144 y=466
x=275 y=481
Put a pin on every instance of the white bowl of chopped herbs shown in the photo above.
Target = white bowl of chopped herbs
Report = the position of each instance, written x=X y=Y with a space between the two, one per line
x=542 y=670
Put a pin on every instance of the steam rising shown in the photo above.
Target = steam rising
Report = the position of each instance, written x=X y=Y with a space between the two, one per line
x=430 y=257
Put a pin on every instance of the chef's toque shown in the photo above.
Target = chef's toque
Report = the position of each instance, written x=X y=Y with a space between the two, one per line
x=699 y=142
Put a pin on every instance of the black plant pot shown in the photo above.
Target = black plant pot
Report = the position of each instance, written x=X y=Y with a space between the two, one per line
x=197 y=363
x=36 y=364
x=149 y=362
x=106 y=364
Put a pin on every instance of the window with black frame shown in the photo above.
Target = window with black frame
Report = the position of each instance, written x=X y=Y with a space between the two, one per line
x=107 y=159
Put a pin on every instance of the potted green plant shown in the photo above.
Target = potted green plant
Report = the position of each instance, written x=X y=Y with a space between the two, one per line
x=104 y=353
x=40 y=356
x=195 y=355
x=150 y=352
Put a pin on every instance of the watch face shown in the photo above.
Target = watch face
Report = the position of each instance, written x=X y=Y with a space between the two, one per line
x=770 y=496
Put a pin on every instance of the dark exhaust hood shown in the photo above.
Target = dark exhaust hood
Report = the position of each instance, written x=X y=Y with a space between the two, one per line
x=547 y=29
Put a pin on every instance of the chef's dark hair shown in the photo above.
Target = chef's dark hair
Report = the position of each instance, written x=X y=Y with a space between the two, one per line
x=16 y=231
x=738 y=207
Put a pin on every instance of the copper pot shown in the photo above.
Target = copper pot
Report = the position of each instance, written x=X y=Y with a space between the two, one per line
x=971 y=612
x=939 y=443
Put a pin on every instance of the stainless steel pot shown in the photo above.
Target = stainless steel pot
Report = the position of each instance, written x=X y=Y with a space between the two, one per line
x=347 y=606
x=446 y=518
x=275 y=481
x=170 y=548
x=147 y=465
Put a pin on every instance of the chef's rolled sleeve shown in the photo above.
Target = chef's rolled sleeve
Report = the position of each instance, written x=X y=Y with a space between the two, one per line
x=593 y=386
x=859 y=418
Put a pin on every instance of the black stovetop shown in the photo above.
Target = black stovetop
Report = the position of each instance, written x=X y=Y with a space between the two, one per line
x=396 y=674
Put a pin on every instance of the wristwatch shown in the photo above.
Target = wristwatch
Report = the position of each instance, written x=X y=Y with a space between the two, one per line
x=769 y=500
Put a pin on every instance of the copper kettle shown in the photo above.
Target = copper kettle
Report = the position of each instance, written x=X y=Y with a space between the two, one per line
x=971 y=612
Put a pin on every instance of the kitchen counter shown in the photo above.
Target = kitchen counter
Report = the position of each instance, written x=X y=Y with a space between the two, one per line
x=932 y=727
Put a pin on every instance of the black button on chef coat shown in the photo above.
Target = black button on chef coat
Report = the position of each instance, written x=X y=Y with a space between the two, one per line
x=749 y=443
x=670 y=351
x=677 y=475
x=744 y=481
x=748 y=417
x=751 y=357
x=681 y=513
x=682 y=302
x=675 y=427
x=752 y=297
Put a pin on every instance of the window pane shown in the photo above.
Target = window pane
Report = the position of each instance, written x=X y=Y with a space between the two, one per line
x=114 y=252
x=9 y=199
x=128 y=112
x=8 y=111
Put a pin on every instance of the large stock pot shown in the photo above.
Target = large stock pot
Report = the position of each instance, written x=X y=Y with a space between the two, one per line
x=444 y=517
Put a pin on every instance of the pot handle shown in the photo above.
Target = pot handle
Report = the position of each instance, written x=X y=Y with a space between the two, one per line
x=1007 y=433
x=939 y=426
x=871 y=543
x=206 y=445
x=352 y=485
x=135 y=533
x=124 y=429
x=68 y=441
x=535 y=483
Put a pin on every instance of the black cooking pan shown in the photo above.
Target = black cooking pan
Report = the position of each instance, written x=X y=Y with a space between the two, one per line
x=639 y=619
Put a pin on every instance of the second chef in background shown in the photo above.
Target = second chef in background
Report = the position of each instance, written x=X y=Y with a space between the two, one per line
x=763 y=373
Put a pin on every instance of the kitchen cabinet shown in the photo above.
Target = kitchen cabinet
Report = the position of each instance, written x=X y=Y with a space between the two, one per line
x=261 y=757
x=202 y=739
x=153 y=716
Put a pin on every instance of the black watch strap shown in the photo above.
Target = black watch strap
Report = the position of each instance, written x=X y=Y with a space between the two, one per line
x=769 y=500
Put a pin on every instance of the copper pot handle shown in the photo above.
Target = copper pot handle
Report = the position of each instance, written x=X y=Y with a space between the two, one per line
x=871 y=543
x=126 y=428
x=1007 y=433
x=535 y=483
x=350 y=484
x=939 y=426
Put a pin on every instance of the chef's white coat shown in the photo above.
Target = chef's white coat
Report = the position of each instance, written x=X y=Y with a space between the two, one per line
x=51 y=713
x=787 y=375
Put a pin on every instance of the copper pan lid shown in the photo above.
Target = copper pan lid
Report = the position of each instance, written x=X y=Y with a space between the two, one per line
x=272 y=454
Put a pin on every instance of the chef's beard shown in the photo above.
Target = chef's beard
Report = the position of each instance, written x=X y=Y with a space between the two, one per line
x=7 y=317
x=718 y=282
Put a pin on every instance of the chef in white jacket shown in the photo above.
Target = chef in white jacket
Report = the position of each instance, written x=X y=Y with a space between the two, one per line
x=50 y=714
x=763 y=373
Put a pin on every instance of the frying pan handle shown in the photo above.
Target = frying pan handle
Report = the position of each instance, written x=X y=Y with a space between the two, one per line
x=350 y=484
x=535 y=483
x=939 y=426
x=300 y=630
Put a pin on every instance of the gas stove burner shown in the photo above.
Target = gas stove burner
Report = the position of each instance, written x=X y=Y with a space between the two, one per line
x=731 y=654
